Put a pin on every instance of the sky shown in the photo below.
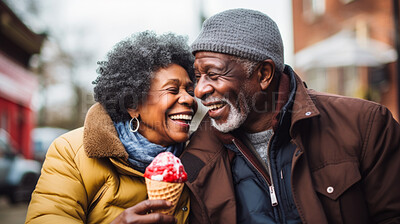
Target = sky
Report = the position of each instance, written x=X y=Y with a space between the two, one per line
x=102 y=23
x=94 y=26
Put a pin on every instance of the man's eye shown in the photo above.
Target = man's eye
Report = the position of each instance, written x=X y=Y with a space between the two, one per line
x=212 y=76
x=197 y=76
x=190 y=92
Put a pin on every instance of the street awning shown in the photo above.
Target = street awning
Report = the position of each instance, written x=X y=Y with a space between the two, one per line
x=17 y=84
x=343 y=49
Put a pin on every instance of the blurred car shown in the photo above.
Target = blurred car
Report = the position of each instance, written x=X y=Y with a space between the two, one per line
x=42 y=139
x=18 y=176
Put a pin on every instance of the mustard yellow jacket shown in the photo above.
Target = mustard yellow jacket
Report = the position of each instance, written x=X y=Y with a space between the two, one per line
x=86 y=177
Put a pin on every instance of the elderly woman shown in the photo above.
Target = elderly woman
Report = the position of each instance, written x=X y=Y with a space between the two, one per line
x=145 y=105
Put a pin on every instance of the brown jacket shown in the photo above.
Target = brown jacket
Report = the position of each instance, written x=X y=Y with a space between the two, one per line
x=345 y=168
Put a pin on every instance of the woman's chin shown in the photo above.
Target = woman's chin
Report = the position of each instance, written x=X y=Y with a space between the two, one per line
x=179 y=137
x=178 y=131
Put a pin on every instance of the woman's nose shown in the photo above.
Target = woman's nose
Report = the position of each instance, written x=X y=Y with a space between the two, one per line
x=203 y=88
x=186 y=99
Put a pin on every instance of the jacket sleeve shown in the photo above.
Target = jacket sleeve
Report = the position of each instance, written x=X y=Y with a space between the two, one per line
x=380 y=165
x=60 y=196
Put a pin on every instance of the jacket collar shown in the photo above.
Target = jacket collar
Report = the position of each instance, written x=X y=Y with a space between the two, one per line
x=303 y=106
x=100 y=139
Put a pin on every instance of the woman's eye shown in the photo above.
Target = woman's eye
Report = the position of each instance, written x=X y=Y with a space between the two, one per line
x=173 y=90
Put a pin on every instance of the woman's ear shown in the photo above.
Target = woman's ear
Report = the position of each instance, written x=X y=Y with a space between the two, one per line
x=133 y=112
x=266 y=73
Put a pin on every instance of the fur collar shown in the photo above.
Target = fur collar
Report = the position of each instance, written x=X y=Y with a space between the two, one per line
x=100 y=139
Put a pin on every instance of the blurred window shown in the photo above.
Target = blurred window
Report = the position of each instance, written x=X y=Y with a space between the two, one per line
x=351 y=83
x=316 y=79
x=347 y=1
x=3 y=120
x=345 y=81
x=4 y=144
x=312 y=9
x=2 y=148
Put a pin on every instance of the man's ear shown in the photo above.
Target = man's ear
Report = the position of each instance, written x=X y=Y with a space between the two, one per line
x=266 y=73
x=133 y=112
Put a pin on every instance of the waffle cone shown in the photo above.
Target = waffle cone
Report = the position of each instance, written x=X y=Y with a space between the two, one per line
x=166 y=191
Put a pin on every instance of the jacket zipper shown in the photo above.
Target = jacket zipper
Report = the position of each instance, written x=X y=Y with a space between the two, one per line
x=274 y=200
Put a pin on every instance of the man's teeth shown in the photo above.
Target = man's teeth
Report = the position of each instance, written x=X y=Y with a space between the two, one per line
x=181 y=117
x=215 y=106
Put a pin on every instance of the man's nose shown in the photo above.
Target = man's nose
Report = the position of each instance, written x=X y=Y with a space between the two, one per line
x=203 y=88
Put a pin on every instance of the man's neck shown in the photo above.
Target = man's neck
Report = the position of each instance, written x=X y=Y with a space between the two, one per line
x=258 y=122
x=268 y=106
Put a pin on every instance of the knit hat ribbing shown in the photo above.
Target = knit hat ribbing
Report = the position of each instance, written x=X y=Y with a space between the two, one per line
x=244 y=33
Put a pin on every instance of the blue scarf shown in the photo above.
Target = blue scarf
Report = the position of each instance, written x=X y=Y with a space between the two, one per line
x=141 y=151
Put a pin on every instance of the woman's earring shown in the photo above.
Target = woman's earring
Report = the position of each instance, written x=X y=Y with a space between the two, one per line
x=137 y=125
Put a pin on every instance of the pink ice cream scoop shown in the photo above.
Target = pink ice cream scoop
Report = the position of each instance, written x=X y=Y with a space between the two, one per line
x=166 y=167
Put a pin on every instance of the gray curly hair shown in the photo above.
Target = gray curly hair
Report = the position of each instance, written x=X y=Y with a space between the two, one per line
x=125 y=76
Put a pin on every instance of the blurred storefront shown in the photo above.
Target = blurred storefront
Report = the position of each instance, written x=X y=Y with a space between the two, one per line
x=347 y=47
x=17 y=84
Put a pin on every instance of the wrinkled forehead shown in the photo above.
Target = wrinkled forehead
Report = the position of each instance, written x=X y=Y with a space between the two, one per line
x=205 y=59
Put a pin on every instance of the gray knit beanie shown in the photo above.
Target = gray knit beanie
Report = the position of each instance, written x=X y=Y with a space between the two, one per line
x=244 y=33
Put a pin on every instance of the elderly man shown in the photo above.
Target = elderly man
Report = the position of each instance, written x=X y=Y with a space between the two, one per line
x=272 y=151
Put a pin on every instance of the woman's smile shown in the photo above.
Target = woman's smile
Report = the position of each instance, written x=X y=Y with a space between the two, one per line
x=169 y=109
x=183 y=119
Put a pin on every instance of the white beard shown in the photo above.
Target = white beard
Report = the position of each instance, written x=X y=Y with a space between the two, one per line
x=235 y=119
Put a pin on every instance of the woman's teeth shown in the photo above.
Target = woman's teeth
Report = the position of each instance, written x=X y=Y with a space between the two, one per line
x=181 y=117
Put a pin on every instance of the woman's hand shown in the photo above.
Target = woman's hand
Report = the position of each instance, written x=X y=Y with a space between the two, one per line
x=140 y=213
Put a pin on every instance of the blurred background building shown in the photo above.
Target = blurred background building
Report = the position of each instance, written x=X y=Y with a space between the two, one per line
x=348 y=47
x=18 y=171
x=17 y=83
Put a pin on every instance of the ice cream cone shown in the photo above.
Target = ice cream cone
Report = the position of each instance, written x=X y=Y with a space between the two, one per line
x=166 y=191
